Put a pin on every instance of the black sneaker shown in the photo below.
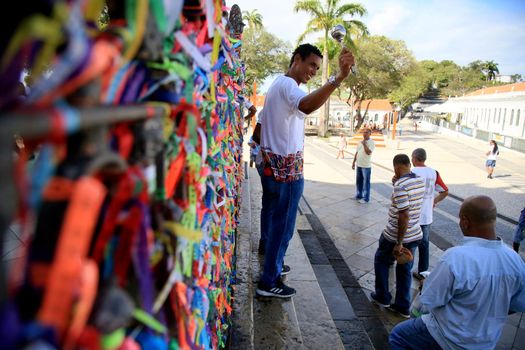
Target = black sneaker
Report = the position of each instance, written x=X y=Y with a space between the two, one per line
x=262 y=247
x=402 y=313
x=280 y=290
x=376 y=301
x=286 y=270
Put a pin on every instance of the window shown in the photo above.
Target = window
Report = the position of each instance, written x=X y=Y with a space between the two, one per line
x=495 y=112
x=511 y=117
x=518 y=117
x=499 y=116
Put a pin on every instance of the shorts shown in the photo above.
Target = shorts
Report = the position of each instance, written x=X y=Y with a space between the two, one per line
x=490 y=163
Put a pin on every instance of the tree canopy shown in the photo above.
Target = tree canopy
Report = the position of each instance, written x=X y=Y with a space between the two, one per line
x=324 y=16
x=261 y=64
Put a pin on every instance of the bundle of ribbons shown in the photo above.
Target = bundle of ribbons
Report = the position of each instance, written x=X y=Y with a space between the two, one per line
x=128 y=229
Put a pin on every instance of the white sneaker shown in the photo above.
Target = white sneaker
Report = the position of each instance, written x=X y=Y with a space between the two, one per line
x=362 y=201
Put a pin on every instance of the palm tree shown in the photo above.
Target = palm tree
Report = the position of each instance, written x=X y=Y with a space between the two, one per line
x=324 y=16
x=254 y=19
x=491 y=68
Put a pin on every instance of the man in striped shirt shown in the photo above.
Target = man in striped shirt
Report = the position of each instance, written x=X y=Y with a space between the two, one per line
x=402 y=230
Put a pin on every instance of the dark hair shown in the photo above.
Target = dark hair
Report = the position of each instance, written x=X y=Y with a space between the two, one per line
x=495 y=150
x=420 y=154
x=401 y=159
x=304 y=51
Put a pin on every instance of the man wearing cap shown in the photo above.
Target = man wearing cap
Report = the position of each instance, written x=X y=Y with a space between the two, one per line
x=282 y=145
x=402 y=231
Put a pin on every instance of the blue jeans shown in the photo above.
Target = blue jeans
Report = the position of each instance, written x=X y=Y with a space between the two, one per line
x=382 y=262
x=412 y=334
x=362 y=183
x=284 y=198
x=519 y=234
x=266 y=209
x=423 y=249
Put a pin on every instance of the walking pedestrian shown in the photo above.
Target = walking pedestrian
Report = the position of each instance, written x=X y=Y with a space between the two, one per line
x=341 y=146
x=363 y=159
x=433 y=184
x=470 y=292
x=491 y=154
x=402 y=231
x=282 y=145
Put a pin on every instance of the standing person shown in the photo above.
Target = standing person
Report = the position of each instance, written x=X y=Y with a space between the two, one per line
x=282 y=144
x=254 y=151
x=341 y=146
x=433 y=184
x=362 y=157
x=471 y=291
x=251 y=113
x=491 y=154
x=402 y=230
x=519 y=234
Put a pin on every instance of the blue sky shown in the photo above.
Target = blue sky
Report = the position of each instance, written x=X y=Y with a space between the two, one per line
x=460 y=30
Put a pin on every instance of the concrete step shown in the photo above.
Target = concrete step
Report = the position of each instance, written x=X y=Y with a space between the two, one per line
x=378 y=138
x=303 y=322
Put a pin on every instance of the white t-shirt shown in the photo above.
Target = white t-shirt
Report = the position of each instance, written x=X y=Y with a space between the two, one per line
x=492 y=155
x=282 y=123
x=433 y=184
x=364 y=160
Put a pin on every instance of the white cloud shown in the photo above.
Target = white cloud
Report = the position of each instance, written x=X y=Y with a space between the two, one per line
x=390 y=16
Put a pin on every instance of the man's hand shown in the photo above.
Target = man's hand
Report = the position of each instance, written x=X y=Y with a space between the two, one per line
x=394 y=179
x=346 y=61
x=353 y=166
x=397 y=249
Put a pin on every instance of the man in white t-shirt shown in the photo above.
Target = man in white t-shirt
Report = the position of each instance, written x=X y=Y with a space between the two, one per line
x=363 y=159
x=433 y=184
x=282 y=144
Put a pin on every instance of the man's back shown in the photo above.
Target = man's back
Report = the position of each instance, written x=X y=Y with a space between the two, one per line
x=430 y=177
x=470 y=293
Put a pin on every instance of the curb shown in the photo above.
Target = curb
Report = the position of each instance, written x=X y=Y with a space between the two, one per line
x=242 y=332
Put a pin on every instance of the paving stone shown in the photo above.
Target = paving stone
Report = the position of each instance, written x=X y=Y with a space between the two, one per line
x=362 y=263
x=508 y=334
x=354 y=335
x=519 y=341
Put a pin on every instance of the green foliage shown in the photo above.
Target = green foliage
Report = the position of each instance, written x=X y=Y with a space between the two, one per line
x=452 y=80
x=330 y=13
x=411 y=88
x=254 y=19
x=325 y=15
x=490 y=68
x=260 y=64
x=382 y=64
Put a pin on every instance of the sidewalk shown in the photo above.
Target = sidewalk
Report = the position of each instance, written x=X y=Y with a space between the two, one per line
x=355 y=229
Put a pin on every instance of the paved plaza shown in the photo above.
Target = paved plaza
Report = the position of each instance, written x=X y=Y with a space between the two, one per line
x=331 y=254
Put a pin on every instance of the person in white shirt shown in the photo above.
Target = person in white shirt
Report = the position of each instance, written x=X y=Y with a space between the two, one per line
x=491 y=154
x=363 y=159
x=471 y=291
x=282 y=144
x=433 y=184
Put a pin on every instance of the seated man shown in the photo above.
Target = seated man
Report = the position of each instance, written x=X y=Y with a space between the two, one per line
x=470 y=292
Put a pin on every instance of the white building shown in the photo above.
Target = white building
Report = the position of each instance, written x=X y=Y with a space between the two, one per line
x=492 y=113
